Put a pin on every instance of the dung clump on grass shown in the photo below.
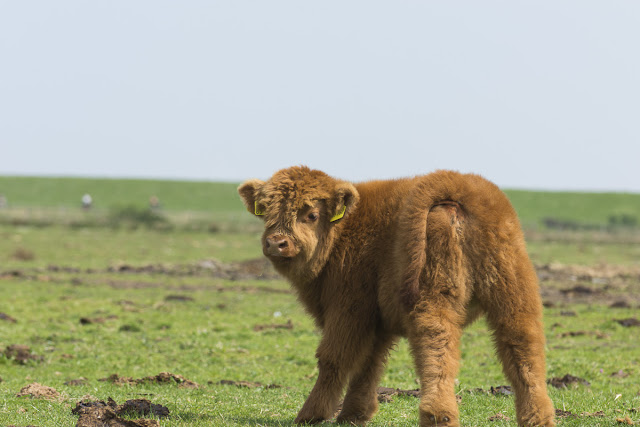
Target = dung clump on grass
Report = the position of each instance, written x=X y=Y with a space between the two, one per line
x=632 y=321
x=247 y=384
x=4 y=316
x=386 y=394
x=288 y=325
x=100 y=413
x=161 y=378
x=566 y=381
x=21 y=354
x=39 y=391
x=23 y=254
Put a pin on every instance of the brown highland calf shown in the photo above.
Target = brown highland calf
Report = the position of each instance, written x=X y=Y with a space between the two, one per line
x=419 y=257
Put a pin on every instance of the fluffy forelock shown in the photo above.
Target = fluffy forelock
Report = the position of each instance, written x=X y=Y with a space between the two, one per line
x=291 y=189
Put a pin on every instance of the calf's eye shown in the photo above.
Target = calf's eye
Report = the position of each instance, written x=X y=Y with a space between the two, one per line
x=313 y=216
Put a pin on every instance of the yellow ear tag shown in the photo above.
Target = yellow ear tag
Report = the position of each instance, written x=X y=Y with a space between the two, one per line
x=339 y=214
x=257 y=210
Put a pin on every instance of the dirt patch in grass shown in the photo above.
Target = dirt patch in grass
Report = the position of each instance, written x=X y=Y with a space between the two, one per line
x=127 y=284
x=599 y=335
x=246 y=270
x=39 y=391
x=22 y=254
x=161 y=378
x=386 y=394
x=501 y=390
x=620 y=304
x=99 y=413
x=288 y=325
x=566 y=381
x=77 y=382
x=93 y=320
x=568 y=414
x=4 y=316
x=632 y=321
x=21 y=354
x=178 y=298
x=560 y=413
x=499 y=417
x=619 y=374
x=247 y=384
x=614 y=285
x=257 y=269
x=561 y=284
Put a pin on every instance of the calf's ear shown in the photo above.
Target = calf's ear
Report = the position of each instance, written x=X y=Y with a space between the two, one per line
x=247 y=192
x=345 y=198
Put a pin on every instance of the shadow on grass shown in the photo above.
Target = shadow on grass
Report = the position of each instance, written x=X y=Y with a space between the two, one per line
x=195 y=418
x=265 y=421
x=192 y=417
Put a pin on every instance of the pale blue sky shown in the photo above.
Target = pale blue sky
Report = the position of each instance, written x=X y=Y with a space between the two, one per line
x=531 y=94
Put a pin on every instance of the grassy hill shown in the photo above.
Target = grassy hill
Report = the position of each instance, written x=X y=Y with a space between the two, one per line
x=583 y=209
x=106 y=193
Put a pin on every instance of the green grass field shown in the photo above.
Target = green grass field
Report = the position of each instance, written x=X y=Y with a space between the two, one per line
x=106 y=193
x=152 y=301
x=215 y=198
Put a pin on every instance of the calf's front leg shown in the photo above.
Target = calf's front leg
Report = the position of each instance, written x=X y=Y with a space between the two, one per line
x=361 y=400
x=341 y=352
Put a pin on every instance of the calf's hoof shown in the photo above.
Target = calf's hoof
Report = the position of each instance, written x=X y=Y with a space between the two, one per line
x=357 y=413
x=541 y=414
x=537 y=421
x=308 y=420
x=306 y=416
x=353 y=419
x=441 y=420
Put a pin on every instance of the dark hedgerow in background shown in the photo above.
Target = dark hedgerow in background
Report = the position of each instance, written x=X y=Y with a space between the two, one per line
x=623 y=220
x=128 y=217
x=614 y=222
x=133 y=217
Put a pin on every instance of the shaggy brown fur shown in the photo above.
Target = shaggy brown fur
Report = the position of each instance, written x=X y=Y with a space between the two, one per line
x=421 y=258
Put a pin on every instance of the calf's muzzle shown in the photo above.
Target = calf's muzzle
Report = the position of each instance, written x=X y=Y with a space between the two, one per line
x=279 y=245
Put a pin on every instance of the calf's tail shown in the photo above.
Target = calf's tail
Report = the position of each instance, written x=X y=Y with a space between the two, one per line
x=439 y=188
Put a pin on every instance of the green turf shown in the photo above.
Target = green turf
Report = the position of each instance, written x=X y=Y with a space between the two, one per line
x=100 y=247
x=211 y=337
x=585 y=252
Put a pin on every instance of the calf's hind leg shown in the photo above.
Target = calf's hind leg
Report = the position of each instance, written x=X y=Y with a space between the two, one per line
x=515 y=315
x=434 y=338
x=436 y=321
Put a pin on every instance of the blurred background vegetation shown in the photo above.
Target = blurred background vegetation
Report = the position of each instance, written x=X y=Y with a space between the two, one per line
x=215 y=206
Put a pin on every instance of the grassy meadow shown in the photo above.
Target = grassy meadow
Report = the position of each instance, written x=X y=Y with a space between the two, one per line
x=95 y=293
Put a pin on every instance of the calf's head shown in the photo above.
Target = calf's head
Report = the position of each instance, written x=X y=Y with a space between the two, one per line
x=303 y=210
